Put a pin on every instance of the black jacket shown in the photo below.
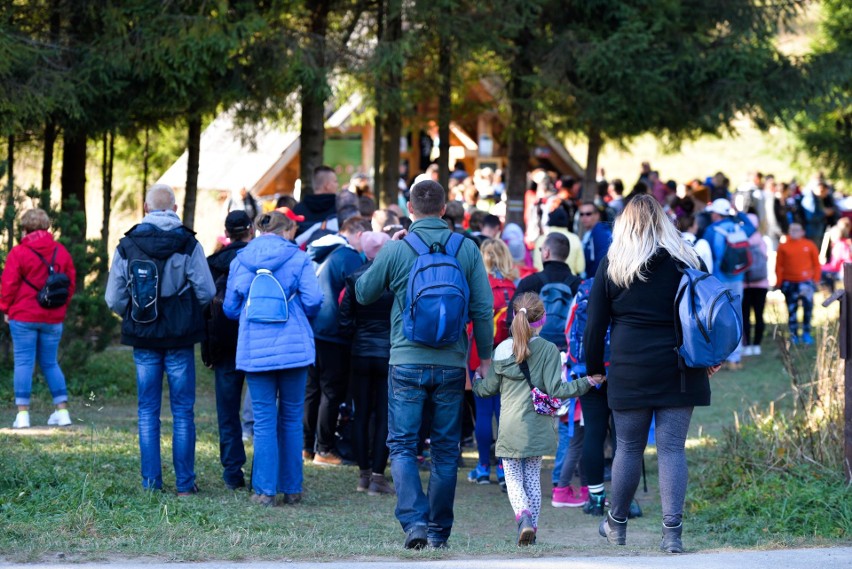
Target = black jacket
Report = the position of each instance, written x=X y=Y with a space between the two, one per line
x=367 y=325
x=643 y=370
x=551 y=272
x=220 y=343
x=316 y=208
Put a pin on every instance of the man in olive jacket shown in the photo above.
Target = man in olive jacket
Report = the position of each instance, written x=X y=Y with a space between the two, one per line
x=427 y=384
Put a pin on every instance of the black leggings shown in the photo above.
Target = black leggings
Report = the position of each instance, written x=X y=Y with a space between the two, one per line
x=370 y=395
x=596 y=416
x=754 y=300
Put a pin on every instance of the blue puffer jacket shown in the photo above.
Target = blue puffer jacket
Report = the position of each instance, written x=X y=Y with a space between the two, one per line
x=271 y=346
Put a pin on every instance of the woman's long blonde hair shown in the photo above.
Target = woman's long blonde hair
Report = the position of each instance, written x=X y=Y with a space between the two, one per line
x=528 y=307
x=496 y=256
x=639 y=231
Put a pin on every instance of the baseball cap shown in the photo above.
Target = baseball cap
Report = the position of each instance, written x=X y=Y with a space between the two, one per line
x=720 y=206
x=237 y=221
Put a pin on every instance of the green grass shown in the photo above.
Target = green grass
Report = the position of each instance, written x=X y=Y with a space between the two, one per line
x=77 y=491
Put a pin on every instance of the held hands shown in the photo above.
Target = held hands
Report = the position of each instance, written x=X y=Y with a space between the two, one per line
x=484 y=366
x=597 y=380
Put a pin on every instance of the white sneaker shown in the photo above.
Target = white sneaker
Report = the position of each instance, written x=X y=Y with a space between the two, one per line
x=748 y=351
x=755 y=350
x=60 y=418
x=22 y=421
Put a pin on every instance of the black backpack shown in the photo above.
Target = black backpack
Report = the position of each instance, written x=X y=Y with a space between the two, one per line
x=57 y=287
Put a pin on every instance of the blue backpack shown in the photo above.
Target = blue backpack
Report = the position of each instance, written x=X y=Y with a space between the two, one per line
x=557 y=298
x=436 y=302
x=576 y=327
x=708 y=323
x=266 y=301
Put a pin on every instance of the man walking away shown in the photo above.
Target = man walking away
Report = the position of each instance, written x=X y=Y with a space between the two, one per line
x=159 y=283
x=427 y=383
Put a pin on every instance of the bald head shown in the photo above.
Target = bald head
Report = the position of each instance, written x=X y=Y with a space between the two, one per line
x=160 y=197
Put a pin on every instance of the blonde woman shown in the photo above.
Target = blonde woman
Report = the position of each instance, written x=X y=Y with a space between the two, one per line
x=634 y=291
x=502 y=275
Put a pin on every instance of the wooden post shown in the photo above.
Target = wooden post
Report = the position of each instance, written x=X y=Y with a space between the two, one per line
x=845 y=344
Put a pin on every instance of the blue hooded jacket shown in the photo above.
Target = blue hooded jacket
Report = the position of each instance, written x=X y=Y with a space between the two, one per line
x=272 y=346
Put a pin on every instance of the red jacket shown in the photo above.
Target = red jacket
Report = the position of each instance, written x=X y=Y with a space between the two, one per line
x=17 y=298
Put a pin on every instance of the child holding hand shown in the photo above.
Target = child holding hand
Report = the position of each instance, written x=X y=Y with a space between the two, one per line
x=525 y=436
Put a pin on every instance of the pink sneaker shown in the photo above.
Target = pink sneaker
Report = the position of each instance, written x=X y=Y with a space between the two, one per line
x=583 y=494
x=566 y=497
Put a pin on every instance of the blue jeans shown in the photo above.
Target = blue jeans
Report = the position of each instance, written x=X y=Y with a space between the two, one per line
x=561 y=450
x=277 y=399
x=425 y=393
x=37 y=341
x=487 y=409
x=229 y=392
x=179 y=365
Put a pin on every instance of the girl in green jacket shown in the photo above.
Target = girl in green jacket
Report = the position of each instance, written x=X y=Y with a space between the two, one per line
x=524 y=436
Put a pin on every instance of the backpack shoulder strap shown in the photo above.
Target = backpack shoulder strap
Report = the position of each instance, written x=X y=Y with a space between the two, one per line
x=453 y=244
x=417 y=244
x=525 y=369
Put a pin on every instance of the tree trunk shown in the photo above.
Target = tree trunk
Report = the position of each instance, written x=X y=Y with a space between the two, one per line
x=50 y=134
x=107 y=169
x=313 y=95
x=73 y=179
x=444 y=105
x=590 y=182
x=146 y=156
x=9 y=214
x=519 y=128
x=193 y=150
x=392 y=122
x=378 y=186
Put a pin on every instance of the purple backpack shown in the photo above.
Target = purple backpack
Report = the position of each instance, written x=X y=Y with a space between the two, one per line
x=543 y=403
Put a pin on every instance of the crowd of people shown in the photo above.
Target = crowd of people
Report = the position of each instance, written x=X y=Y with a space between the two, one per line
x=313 y=305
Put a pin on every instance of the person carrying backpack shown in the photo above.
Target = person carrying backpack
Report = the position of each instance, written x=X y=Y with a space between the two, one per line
x=159 y=283
x=439 y=283
x=633 y=296
x=755 y=288
x=273 y=291
x=728 y=236
x=34 y=299
x=219 y=351
x=501 y=277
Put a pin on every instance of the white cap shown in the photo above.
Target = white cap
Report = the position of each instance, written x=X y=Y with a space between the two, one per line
x=720 y=206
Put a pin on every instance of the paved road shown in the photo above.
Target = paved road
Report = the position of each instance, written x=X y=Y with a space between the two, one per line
x=827 y=558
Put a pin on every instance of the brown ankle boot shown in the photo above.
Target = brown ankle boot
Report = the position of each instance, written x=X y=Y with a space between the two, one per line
x=379 y=485
x=363 y=480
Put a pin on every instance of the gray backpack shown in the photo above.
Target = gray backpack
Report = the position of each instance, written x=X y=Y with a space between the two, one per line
x=757 y=271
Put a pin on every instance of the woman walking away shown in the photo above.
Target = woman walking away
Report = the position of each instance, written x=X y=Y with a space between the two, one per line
x=369 y=327
x=34 y=298
x=525 y=436
x=755 y=288
x=272 y=290
x=634 y=291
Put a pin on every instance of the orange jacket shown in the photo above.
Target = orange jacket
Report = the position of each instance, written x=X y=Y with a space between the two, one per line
x=797 y=261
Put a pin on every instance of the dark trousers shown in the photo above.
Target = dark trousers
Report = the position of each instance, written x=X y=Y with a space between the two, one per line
x=754 y=301
x=325 y=390
x=596 y=416
x=370 y=394
x=795 y=294
x=229 y=395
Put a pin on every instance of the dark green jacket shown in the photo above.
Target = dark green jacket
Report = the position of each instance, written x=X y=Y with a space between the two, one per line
x=391 y=269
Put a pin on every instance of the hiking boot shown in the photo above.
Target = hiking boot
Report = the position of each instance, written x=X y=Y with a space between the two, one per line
x=671 y=542
x=438 y=544
x=634 y=511
x=59 y=418
x=262 y=500
x=22 y=420
x=307 y=455
x=415 y=538
x=807 y=339
x=292 y=499
x=501 y=475
x=329 y=458
x=480 y=475
x=566 y=497
x=526 y=531
x=363 y=480
x=613 y=530
x=595 y=504
x=379 y=485
x=236 y=485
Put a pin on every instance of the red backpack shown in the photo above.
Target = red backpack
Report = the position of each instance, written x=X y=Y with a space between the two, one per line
x=503 y=291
